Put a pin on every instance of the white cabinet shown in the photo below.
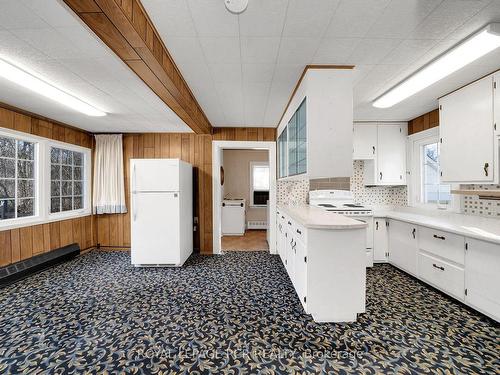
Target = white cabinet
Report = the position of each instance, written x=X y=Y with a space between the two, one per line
x=466 y=130
x=388 y=166
x=403 y=245
x=496 y=105
x=380 y=240
x=364 y=141
x=482 y=277
x=300 y=265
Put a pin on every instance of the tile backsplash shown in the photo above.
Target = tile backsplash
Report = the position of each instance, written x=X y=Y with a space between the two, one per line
x=473 y=205
x=292 y=191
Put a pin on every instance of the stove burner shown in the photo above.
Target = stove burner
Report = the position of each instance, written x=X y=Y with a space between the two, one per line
x=326 y=205
x=352 y=205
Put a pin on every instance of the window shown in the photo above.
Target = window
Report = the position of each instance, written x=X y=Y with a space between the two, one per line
x=17 y=178
x=66 y=180
x=432 y=190
x=259 y=184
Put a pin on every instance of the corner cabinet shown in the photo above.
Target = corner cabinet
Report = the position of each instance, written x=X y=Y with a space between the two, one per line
x=382 y=146
x=315 y=132
x=469 y=148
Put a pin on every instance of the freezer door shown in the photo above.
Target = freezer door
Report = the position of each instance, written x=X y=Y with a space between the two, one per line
x=155 y=228
x=154 y=174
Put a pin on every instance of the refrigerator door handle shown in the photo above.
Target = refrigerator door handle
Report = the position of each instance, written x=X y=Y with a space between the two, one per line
x=133 y=195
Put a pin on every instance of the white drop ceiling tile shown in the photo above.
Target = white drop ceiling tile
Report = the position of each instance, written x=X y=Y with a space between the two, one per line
x=49 y=41
x=52 y=12
x=287 y=75
x=184 y=49
x=53 y=72
x=17 y=50
x=88 y=44
x=335 y=50
x=211 y=19
x=372 y=51
x=408 y=51
x=489 y=14
x=225 y=72
x=210 y=104
x=170 y=17
x=359 y=72
x=92 y=70
x=297 y=50
x=308 y=18
x=259 y=50
x=263 y=18
x=400 y=17
x=221 y=50
x=260 y=73
x=353 y=18
x=15 y=15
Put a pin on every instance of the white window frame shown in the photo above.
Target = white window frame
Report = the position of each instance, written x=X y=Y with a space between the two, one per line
x=42 y=181
x=252 y=165
x=416 y=142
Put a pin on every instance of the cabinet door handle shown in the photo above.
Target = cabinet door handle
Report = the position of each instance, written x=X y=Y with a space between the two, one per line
x=299 y=231
x=373 y=149
x=289 y=223
x=282 y=217
x=413 y=232
x=438 y=267
x=376 y=225
x=439 y=237
x=486 y=166
x=380 y=176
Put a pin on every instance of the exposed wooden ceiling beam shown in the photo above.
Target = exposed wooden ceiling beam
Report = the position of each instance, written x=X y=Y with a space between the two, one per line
x=124 y=26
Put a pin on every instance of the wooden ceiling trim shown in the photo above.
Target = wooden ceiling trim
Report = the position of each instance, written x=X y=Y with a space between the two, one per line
x=124 y=26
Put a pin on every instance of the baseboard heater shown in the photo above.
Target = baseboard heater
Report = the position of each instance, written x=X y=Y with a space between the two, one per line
x=256 y=224
x=19 y=270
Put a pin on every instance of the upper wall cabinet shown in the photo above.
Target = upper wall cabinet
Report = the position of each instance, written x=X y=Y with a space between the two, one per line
x=315 y=133
x=383 y=147
x=469 y=148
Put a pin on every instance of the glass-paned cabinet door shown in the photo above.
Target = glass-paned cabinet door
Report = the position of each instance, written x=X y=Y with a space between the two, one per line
x=282 y=148
x=301 y=139
x=292 y=145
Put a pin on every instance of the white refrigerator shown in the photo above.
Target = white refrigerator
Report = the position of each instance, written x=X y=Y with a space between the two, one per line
x=161 y=212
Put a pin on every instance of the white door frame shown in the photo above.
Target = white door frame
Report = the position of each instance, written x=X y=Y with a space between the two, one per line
x=217 y=147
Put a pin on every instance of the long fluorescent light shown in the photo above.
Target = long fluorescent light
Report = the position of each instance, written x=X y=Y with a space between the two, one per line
x=479 y=44
x=25 y=79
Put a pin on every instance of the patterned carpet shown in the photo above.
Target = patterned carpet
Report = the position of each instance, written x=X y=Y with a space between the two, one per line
x=230 y=314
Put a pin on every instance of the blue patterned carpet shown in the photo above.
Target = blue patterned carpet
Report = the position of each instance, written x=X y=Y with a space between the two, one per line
x=231 y=314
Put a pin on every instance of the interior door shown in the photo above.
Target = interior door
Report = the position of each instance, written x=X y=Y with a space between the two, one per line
x=155 y=175
x=391 y=157
x=155 y=228
x=466 y=131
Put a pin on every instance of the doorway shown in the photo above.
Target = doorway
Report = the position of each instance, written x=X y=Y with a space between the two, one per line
x=244 y=195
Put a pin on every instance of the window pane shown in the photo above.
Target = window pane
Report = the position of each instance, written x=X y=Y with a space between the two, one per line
x=260 y=178
x=77 y=188
x=55 y=172
x=25 y=169
x=8 y=147
x=432 y=190
x=7 y=209
x=67 y=173
x=67 y=188
x=77 y=173
x=55 y=188
x=67 y=157
x=25 y=150
x=77 y=203
x=55 y=205
x=67 y=204
x=7 y=188
x=7 y=168
x=25 y=207
x=26 y=188
x=77 y=158
x=55 y=155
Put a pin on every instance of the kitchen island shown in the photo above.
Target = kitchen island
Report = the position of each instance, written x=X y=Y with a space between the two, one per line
x=324 y=255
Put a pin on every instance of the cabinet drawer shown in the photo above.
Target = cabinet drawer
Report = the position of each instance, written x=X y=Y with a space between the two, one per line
x=445 y=276
x=443 y=244
x=299 y=232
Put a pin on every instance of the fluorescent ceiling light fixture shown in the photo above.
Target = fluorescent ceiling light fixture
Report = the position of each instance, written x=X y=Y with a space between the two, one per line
x=479 y=44
x=29 y=81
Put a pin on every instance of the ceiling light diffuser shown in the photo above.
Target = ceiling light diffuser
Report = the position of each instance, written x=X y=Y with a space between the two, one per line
x=29 y=81
x=479 y=44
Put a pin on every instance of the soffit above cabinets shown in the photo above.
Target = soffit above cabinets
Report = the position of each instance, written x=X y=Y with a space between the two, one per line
x=47 y=38
x=243 y=68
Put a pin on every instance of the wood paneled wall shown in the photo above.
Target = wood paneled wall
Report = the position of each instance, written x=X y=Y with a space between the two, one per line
x=22 y=243
x=126 y=28
x=424 y=122
x=114 y=230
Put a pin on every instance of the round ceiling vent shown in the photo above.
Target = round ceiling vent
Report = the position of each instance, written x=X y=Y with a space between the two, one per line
x=236 y=6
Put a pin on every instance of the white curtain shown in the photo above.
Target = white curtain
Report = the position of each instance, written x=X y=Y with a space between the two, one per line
x=109 y=191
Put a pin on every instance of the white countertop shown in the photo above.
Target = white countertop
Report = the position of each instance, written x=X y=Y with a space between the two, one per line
x=317 y=218
x=481 y=228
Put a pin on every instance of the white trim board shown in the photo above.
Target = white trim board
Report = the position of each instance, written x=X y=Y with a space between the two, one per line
x=217 y=147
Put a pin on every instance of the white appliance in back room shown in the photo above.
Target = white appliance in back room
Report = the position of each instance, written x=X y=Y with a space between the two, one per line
x=161 y=212
x=233 y=217
x=341 y=202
